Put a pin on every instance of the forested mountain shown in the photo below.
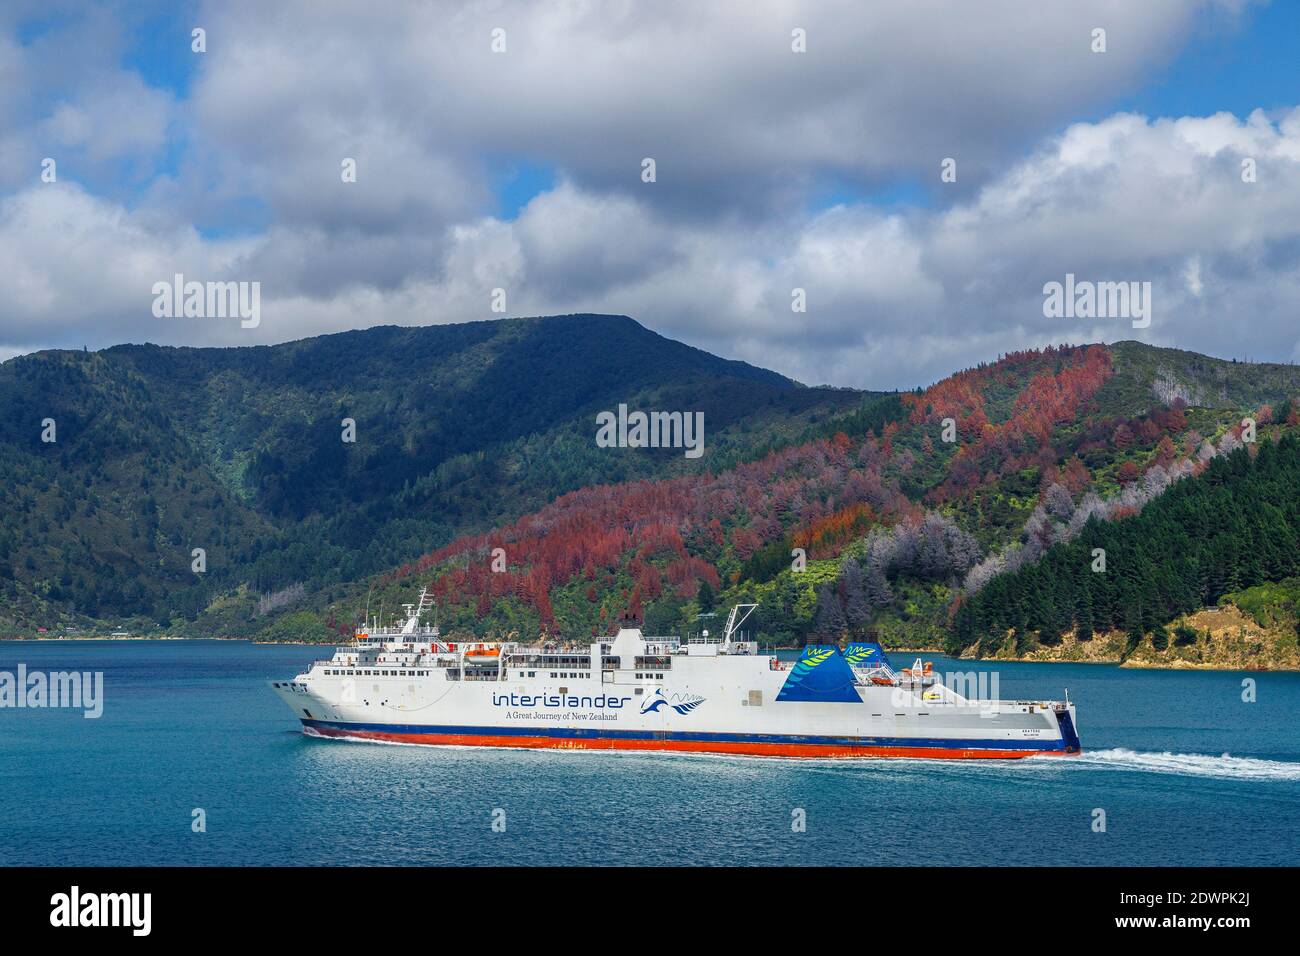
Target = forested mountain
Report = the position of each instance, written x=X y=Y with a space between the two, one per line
x=239 y=451
x=475 y=470
x=879 y=524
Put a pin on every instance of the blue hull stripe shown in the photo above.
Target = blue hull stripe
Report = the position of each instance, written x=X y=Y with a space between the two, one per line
x=580 y=733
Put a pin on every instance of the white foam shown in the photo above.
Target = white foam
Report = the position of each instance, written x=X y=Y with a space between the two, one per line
x=1195 y=765
x=1224 y=766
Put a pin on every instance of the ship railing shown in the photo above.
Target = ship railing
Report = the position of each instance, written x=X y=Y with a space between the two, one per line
x=416 y=662
x=394 y=630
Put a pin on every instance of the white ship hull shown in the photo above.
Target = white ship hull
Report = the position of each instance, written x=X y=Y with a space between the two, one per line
x=636 y=694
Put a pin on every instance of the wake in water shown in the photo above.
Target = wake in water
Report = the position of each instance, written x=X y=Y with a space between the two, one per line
x=1194 y=765
x=1225 y=767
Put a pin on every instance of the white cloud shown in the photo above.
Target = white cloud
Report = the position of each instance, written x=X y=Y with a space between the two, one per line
x=81 y=269
x=743 y=131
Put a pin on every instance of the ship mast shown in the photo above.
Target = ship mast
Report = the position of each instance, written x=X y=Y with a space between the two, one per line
x=412 y=624
x=733 y=624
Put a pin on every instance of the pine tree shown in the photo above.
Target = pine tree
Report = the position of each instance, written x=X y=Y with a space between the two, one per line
x=1083 y=616
x=857 y=607
x=830 y=622
x=876 y=587
x=705 y=597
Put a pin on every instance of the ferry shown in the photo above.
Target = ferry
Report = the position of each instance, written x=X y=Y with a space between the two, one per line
x=405 y=683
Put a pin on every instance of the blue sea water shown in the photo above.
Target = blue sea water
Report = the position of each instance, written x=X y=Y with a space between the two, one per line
x=1185 y=771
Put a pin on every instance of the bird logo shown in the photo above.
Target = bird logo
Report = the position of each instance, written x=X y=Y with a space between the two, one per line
x=681 y=704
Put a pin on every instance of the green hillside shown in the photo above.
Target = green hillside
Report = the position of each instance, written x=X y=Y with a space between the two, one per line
x=896 y=525
x=1236 y=525
x=902 y=509
x=239 y=451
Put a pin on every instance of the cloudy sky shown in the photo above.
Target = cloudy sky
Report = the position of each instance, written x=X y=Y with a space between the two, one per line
x=774 y=170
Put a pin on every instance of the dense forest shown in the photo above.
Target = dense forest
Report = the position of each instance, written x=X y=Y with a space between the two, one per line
x=874 y=526
x=1233 y=526
x=475 y=471
x=238 y=452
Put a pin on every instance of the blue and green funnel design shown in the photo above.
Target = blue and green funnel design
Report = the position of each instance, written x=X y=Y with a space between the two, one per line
x=822 y=674
x=865 y=655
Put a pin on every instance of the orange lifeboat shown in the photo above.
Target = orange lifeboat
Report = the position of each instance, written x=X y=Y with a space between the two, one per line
x=482 y=654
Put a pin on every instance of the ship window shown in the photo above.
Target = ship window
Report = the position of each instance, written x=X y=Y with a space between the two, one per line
x=532 y=673
x=552 y=675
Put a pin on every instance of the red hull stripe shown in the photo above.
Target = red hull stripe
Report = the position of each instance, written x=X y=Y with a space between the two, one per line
x=756 y=749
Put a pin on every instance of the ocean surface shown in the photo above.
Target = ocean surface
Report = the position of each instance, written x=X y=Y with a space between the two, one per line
x=1184 y=770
